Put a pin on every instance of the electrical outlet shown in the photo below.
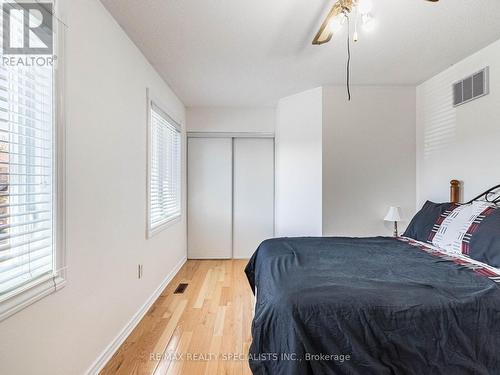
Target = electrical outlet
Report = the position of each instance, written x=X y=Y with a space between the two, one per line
x=139 y=271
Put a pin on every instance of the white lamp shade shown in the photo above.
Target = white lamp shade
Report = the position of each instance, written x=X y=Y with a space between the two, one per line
x=394 y=214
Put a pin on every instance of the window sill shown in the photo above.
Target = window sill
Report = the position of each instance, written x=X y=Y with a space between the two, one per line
x=161 y=227
x=31 y=294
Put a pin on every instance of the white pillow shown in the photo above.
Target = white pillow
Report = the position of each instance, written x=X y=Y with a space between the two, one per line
x=450 y=234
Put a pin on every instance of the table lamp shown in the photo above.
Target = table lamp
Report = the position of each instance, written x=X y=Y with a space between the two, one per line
x=394 y=215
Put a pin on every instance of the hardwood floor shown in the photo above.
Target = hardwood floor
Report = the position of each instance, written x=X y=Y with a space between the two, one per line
x=205 y=330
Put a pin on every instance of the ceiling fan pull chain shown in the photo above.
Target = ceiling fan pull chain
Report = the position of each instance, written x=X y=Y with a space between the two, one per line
x=355 y=37
x=348 y=60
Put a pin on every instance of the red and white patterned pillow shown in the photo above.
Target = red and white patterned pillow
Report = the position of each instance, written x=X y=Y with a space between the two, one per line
x=454 y=229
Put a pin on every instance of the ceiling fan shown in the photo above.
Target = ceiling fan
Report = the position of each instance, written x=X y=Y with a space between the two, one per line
x=340 y=14
x=337 y=15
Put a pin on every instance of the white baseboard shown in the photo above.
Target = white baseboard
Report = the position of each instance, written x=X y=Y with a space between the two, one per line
x=106 y=355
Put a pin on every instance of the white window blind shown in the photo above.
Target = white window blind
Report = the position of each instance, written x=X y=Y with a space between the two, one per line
x=165 y=169
x=27 y=220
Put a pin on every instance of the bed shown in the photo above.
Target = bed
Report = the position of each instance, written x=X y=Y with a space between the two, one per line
x=379 y=305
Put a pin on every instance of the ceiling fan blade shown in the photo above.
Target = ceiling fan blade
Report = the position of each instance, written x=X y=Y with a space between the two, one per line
x=324 y=34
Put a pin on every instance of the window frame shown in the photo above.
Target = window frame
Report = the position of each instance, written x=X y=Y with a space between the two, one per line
x=151 y=231
x=44 y=286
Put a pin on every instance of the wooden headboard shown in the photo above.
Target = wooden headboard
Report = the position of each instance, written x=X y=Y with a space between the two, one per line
x=455 y=191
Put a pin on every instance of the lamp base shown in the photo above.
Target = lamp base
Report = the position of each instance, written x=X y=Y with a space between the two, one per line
x=396 y=234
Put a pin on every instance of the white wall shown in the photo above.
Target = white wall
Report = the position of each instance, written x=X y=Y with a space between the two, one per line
x=106 y=85
x=368 y=158
x=458 y=143
x=298 y=164
x=229 y=119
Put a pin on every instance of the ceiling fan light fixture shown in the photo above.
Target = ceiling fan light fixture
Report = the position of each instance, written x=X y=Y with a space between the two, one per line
x=368 y=22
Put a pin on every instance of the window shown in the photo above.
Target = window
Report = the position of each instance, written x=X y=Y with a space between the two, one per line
x=30 y=235
x=164 y=170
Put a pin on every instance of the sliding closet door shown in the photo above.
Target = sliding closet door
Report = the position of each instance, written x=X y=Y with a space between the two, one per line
x=210 y=198
x=253 y=211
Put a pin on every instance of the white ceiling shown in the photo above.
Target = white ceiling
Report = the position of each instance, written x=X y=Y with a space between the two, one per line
x=253 y=52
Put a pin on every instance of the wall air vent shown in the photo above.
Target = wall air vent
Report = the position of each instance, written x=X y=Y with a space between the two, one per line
x=472 y=87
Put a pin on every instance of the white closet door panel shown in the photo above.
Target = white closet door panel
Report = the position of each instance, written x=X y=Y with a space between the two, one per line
x=253 y=211
x=209 y=198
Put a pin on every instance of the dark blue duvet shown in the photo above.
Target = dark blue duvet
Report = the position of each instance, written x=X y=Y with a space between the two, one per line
x=369 y=306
